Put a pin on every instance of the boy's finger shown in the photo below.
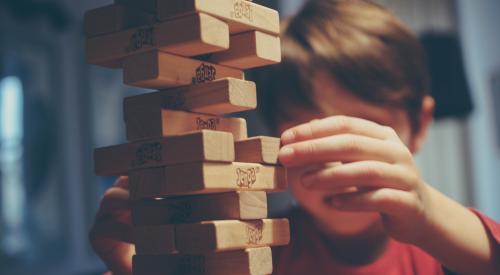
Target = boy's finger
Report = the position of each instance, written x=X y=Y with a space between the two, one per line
x=112 y=230
x=115 y=199
x=335 y=125
x=364 y=174
x=122 y=182
x=388 y=201
x=339 y=148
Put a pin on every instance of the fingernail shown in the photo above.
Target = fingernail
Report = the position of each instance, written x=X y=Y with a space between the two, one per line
x=286 y=153
x=287 y=137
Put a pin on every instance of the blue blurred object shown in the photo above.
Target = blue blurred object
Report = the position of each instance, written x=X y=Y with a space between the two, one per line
x=31 y=10
x=14 y=239
x=449 y=85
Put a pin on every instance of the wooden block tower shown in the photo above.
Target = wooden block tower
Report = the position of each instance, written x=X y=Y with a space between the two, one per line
x=197 y=182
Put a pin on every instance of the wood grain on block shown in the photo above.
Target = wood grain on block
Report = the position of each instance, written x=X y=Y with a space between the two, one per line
x=250 y=50
x=187 y=36
x=188 y=209
x=149 y=6
x=258 y=149
x=211 y=236
x=241 y=15
x=222 y=96
x=251 y=261
x=205 y=145
x=114 y=18
x=218 y=236
x=158 y=239
x=154 y=123
x=159 y=70
x=205 y=177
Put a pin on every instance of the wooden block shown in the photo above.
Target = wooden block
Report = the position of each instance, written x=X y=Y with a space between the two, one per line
x=223 y=96
x=159 y=70
x=251 y=261
x=155 y=123
x=114 y=18
x=218 y=236
x=203 y=145
x=211 y=236
x=258 y=149
x=155 y=240
x=188 y=209
x=241 y=15
x=149 y=6
x=204 y=178
x=250 y=50
x=186 y=36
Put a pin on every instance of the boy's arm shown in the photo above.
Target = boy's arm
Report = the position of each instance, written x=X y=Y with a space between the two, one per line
x=378 y=164
x=459 y=239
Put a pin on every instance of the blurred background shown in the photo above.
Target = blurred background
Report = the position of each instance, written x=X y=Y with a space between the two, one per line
x=54 y=109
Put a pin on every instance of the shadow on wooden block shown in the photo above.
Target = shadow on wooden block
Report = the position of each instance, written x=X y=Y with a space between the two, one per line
x=205 y=145
x=155 y=123
x=188 y=209
x=218 y=97
x=205 y=178
x=252 y=261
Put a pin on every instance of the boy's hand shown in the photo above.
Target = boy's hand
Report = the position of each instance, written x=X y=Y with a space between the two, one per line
x=111 y=233
x=375 y=162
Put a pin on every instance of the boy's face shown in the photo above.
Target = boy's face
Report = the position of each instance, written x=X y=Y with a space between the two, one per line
x=335 y=100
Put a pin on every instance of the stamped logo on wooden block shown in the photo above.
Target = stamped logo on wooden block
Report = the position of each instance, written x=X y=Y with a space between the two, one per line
x=147 y=152
x=140 y=38
x=204 y=73
x=242 y=10
x=246 y=177
x=209 y=124
x=254 y=232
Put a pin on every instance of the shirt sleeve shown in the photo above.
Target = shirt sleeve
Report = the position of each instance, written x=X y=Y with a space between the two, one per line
x=491 y=226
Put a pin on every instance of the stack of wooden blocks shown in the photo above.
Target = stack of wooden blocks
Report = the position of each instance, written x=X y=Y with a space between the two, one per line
x=197 y=182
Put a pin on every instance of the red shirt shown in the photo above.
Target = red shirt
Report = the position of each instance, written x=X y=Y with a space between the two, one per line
x=309 y=254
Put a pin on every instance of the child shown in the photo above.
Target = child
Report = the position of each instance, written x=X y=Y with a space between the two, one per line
x=351 y=101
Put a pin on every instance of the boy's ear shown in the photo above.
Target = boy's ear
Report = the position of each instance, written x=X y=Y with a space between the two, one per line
x=426 y=118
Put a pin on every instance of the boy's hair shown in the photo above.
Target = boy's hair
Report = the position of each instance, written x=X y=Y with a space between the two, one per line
x=363 y=46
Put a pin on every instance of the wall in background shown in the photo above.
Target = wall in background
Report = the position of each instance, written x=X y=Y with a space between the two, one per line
x=479 y=21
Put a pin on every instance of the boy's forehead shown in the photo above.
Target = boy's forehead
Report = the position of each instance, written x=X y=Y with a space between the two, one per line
x=332 y=99
x=389 y=116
